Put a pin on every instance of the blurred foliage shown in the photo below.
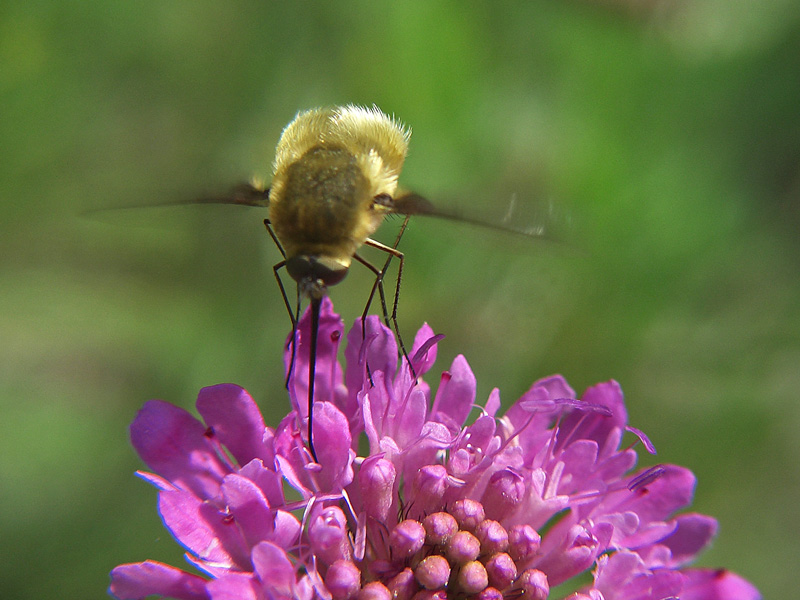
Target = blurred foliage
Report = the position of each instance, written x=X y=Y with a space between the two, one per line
x=666 y=134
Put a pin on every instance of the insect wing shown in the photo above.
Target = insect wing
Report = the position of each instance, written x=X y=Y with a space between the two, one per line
x=245 y=194
x=410 y=203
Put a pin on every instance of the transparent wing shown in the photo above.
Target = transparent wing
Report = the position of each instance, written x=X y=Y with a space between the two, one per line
x=244 y=194
x=539 y=222
x=541 y=225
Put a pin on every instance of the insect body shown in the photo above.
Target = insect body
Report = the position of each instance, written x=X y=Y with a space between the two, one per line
x=334 y=180
x=335 y=175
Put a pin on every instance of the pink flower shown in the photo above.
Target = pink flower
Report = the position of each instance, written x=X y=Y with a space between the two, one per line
x=503 y=507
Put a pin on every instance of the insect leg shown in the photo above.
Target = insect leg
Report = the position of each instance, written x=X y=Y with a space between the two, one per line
x=275 y=270
x=379 y=280
x=294 y=315
x=392 y=252
x=268 y=225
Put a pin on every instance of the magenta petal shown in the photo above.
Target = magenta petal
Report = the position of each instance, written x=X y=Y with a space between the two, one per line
x=328 y=372
x=575 y=551
x=235 y=586
x=291 y=456
x=504 y=494
x=493 y=402
x=287 y=529
x=658 y=584
x=455 y=396
x=648 y=533
x=605 y=430
x=268 y=481
x=662 y=497
x=693 y=533
x=249 y=508
x=717 y=584
x=332 y=441
x=202 y=529
x=409 y=418
x=376 y=479
x=375 y=401
x=614 y=467
x=624 y=576
x=157 y=482
x=428 y=357
x=380 y=355
x=274 y=569
x=474 y=446
x=235 y=420
x=530 y=414
x=580 y=465
x=327 y=532
x=173 y=443
x=150 y=578
x=556 y=386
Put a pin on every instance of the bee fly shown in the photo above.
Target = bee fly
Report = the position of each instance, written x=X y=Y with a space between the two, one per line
x=334 y=180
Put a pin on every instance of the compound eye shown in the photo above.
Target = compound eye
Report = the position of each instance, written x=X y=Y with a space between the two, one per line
x=384 y=200
x=326 y=270
x=330 y=270
x=299 y=267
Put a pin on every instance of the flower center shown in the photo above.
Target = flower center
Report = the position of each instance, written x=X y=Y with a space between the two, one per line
x=458 y=554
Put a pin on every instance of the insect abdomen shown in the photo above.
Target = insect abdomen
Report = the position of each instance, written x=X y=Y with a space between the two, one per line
x=323 y=201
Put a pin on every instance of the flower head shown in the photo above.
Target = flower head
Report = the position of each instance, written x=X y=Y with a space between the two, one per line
x=450 y=501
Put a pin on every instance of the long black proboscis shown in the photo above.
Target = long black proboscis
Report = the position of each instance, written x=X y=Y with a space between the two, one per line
x=316 y=303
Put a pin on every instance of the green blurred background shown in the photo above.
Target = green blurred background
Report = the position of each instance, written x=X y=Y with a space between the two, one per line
x=665 y=134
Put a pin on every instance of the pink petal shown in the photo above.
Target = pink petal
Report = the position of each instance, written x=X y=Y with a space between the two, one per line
x=580 y=463
x=235 y=420
x=328 y=373
x=595 y=426
x=332 y=442
x=717 y=584
x=475 y=448
x=235 y=586
x=380 y=355
x=287 y=529
x=376 y=480
x=535 y=412
x=658 y=500
x=692 y=534
x=428 y=358
x=157 y=482
x=274 y=569
x=623 y=576
x=455 y=396
x=291 y=455
x=249 y=508
x=570 y=550
x=409 y=418
x=202 y=529
x=493 y=402
x=173 y=443
x=268 y=481
x=137 y=580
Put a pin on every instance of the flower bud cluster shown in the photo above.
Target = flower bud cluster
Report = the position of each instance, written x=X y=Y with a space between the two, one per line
x=455 y=554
